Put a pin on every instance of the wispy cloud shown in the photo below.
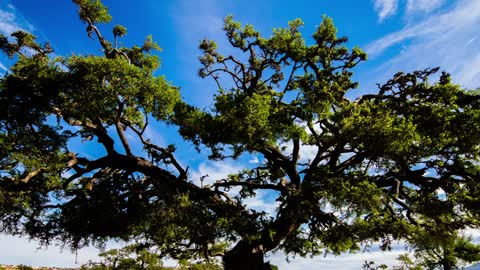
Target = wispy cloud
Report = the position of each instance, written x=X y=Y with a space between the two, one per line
x=17 y=250
x=347 y=261
x=474 y=234
x=195 y=21
x=447 y=40
x=154 y=135
x=11 y=21
x=263 y=201
x=423 y=5
x=307 y=152
x=210 y=172
x=389 y=8
x=3 y=67
x=470 y=41
x=385 y=8
x=8 y=22
x=199 y=19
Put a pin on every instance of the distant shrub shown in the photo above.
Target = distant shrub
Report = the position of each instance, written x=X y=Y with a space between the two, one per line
x=24 y=267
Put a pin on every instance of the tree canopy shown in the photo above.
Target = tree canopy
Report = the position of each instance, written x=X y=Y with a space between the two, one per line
x=399 y=163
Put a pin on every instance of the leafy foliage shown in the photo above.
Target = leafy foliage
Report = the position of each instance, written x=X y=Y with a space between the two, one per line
x=454 y=252
x=412 y=147
x=137 y=256
x=128 y=257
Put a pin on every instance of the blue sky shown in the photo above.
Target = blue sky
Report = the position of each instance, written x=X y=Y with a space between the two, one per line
x=398 y=35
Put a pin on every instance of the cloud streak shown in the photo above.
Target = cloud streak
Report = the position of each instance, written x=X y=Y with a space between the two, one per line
x=423 y=5
x=345 y=261
x=17 y=250
x=3 y=67
x=389 y=8
x=447 y=40
x=211 y=172
x=195 y=21
x=385 y=8
x=10 y=22
x=263 y=201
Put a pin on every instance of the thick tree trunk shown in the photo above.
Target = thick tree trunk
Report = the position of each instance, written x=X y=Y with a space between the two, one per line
x=249 y=255
x=245 y=256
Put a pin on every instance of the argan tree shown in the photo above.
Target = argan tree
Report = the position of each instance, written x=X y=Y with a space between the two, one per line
x=391 y=164
x=429 y=252
x=447 y=253
x=131 y=257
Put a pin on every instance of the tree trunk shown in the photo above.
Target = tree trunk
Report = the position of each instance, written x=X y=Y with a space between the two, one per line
x=446 y=266
x=245 y=256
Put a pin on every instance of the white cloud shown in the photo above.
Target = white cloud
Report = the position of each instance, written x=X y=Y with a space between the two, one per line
x=474 y=234
x=470 y=41
x=388 y=8
x=195 y=21
x=19 y=250
x=423 y=5
x=345 y=261
x=3 y=67
x=154 y=135
x=200 y=20
x=254 y=160
x=385 y=8
x=11 y=22
x=263 y=201
x=307 y=152
x=8 y=22
x=447 y=40
x=213 y=171
x=15 y=250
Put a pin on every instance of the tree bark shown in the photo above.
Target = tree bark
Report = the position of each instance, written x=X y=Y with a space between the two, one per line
x=245 y=256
